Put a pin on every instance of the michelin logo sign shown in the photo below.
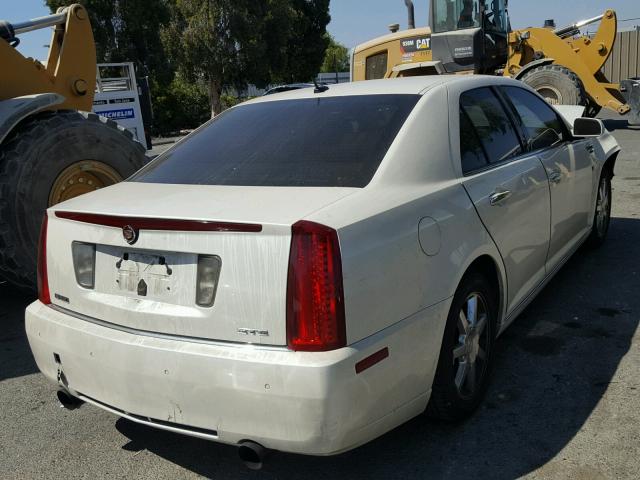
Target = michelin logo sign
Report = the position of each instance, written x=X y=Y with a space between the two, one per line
x=118 y=114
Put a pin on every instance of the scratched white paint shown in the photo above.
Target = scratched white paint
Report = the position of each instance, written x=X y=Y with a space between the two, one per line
x=396 y=296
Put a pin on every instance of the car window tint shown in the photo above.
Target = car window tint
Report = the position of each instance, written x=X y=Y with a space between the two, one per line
x=492 y=124
x=540 y=122
x=330 y=141
x=471 y=153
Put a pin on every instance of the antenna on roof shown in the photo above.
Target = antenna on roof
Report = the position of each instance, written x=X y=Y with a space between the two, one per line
x=319 y=88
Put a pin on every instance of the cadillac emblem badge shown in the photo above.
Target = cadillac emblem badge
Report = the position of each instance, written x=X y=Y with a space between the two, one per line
x=130 y=234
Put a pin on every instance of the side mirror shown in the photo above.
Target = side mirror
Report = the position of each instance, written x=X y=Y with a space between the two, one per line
x=588 y=127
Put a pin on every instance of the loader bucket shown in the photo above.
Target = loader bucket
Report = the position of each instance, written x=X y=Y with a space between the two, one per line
x=631 y=91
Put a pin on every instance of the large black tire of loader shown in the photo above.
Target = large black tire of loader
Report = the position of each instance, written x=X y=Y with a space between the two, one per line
x=557 y=84
x=32 y=158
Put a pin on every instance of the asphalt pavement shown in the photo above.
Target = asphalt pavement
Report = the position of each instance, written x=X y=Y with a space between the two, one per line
x=564 y=401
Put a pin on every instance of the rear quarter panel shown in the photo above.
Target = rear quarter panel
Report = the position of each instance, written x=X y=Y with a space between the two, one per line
x=387 y=275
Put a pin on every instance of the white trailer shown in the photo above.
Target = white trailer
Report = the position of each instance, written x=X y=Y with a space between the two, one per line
x=117 y=97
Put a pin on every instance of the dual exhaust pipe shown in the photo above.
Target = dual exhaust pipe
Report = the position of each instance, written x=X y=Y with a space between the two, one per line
x=252 y=454
x=68 y=401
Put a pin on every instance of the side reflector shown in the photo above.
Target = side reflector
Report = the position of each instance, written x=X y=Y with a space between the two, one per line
x=315 y=297
x=371 y=360
x=43 y=278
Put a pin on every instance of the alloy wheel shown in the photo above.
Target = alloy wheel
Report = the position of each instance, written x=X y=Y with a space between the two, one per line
x=603 y=207
x=470 y=354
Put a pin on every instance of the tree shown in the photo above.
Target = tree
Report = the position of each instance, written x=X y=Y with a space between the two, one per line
x=128 y=31
x=214 y=44
x=336 y=58
x=180 y=105
x=307 y=42
x=236 y=42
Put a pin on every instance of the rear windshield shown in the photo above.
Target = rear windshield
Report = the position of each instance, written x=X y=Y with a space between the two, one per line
x=329 y=142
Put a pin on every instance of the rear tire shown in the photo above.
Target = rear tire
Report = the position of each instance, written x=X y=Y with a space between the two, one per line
x=466 y=355
x=52 y=149
x=557 y=84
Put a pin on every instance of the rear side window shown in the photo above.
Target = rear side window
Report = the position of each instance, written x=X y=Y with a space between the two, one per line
x=471 y=152
x=541 y=124
x=376 y=66
x=328 y=142
x=492 y=124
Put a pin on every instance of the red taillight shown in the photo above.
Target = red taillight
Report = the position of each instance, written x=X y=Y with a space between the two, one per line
x=315 y=298
x=43 y=279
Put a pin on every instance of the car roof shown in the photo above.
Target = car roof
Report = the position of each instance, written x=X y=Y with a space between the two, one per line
x=396 y=86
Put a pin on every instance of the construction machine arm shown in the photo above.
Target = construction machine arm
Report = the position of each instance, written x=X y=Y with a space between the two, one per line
x=584 y=56
x=70 y=70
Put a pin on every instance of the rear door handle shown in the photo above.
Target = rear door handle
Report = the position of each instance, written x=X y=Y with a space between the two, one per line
x=555 y=176
x=590 y=148
x=499 y=196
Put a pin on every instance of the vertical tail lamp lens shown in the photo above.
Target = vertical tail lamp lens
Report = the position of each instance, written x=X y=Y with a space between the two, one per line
x=207 y=281
x=43 y=279
x=315 y=297
x=84 y=263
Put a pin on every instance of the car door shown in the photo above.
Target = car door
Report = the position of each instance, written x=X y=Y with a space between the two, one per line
x=508 y=187
x=569 y=167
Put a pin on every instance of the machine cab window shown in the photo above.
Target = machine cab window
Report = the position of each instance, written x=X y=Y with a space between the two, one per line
x=470 y=35
x=495 y=16
x=455 y=15
x=450 y=15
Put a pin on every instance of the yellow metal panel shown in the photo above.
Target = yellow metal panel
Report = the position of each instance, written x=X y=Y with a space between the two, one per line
x=595 y=51
x=70 y=70
x=583 y=56
x=392 y=44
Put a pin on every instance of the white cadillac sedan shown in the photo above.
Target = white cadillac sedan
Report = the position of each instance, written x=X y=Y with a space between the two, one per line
x=311 y=269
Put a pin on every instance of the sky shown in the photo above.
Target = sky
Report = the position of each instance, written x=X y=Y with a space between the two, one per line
x=356 y=21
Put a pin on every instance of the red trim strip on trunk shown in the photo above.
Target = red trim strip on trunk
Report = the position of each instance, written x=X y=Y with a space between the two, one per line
x=139 y=223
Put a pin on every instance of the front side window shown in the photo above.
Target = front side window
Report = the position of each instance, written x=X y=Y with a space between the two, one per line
x=376 y=67
x=310 y=142
x=492 y=124
x=449 y=15
x=541 y=124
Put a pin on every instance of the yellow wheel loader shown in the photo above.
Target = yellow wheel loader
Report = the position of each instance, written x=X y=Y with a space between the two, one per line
x=475 y=37
x=51 y=148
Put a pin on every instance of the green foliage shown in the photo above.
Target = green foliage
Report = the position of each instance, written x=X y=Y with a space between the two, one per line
x=128 y=31
x=229 y=101
x=236 y=42
x=180 y=105
x=307 y=42
x=336 y=58
x=189 y=47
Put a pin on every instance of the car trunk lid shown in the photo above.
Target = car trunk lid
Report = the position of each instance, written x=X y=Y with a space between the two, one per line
x=150 y=285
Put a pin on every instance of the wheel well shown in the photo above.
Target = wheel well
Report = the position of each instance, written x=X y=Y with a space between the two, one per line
x=486 y=266
x=610 y=164
x=531 y=66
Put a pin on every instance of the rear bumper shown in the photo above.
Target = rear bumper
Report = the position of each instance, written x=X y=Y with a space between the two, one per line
x=311 y=403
